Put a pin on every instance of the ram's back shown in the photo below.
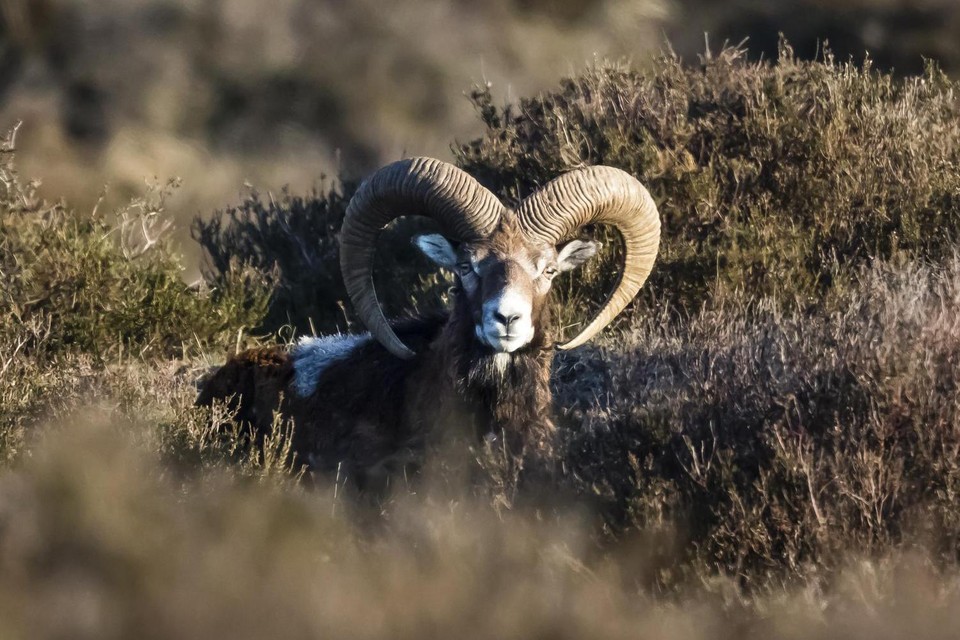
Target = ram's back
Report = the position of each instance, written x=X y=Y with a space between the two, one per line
x=251 y=384
x=346 y=395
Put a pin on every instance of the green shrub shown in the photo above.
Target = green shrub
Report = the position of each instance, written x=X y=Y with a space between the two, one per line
x=79 y=292
x=105 y=286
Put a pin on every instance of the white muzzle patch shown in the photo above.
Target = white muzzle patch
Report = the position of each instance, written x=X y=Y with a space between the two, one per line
x=507 y=322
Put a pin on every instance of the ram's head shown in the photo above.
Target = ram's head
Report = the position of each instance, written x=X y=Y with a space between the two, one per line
x=505 y=259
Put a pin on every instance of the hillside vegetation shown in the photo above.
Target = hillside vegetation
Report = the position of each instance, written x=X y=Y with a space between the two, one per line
x=234 y=90
x=778 y=180
x=765 y=446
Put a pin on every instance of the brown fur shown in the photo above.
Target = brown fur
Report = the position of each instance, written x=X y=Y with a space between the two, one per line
x=251 y=384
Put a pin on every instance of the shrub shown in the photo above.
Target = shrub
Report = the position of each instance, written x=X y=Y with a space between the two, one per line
x=104 y=286
x=780 y=441
x=295 y=242
x=774 y=177
x=779 y=178
x=101 y=541
x=80 y=292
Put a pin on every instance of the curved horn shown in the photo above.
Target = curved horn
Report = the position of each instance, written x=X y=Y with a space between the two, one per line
x=598 y=195
x=463 y=208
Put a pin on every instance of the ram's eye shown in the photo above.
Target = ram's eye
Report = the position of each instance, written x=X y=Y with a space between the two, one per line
x=464 y=268
x=550 y=271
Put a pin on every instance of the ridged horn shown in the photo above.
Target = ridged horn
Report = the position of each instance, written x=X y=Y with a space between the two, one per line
x=598 y=195
x=461 y=206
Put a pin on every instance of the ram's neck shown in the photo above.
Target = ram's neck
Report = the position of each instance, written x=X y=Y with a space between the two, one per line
x=509 y=393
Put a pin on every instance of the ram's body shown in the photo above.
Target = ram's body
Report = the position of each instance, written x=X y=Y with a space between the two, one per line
x=360 y=411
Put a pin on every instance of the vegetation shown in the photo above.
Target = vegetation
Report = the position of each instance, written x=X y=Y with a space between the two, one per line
x=778 y=179
x=114 y=90
x=294 y=242
x=100 y=286
x=765 y=447
x=780 y=441
x=82 y=291
x=774 y=178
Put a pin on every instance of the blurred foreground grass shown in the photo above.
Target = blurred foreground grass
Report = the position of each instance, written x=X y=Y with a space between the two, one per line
x=98 y=539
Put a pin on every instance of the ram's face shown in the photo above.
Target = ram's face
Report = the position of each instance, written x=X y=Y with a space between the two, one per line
x=505 y=280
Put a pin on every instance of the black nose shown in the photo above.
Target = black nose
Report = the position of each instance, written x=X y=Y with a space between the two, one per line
x=505 y=320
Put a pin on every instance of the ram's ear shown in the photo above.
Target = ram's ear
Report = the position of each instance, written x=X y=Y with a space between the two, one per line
x=575 y=253
x=438 y=249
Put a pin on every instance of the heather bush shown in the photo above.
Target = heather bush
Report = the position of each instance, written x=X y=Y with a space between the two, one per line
x=775 y=178
x=780 y=441
x=99 y=540
x=80 y=292
x=778 y=178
